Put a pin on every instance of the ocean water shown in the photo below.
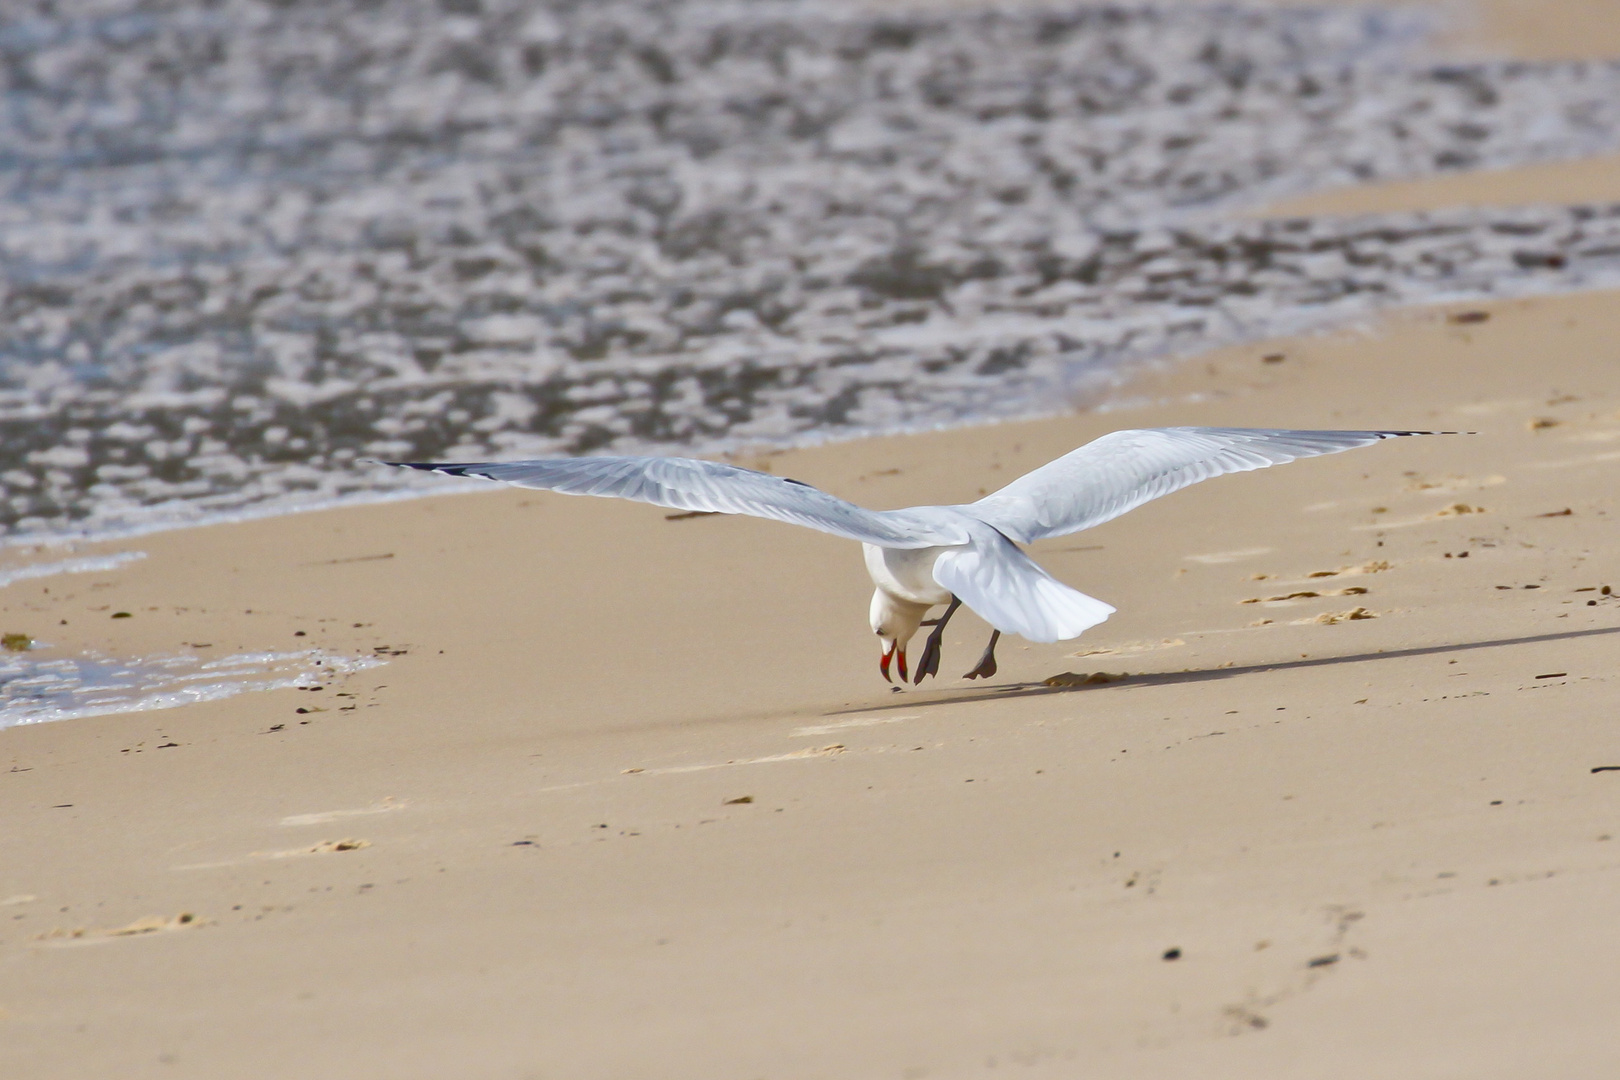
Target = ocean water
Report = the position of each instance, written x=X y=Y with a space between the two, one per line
x=246 y=244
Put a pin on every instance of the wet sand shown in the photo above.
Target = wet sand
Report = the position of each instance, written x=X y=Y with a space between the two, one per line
x=629 y=798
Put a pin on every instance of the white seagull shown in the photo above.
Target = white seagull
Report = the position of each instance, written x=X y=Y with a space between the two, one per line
x=924 y=556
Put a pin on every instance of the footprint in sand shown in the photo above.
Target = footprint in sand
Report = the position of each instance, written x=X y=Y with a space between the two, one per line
x=1377 y=566
x=1352 y=590
x=1329 y=618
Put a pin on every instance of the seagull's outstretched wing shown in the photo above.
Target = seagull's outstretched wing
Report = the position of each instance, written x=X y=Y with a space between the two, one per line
x=1124 y=469
x=688 y=484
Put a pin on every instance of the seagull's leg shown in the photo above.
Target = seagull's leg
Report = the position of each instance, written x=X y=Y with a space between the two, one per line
x=928 y=662
x=987 y=662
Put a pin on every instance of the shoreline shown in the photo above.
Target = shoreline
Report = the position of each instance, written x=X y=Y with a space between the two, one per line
x=1083 y=389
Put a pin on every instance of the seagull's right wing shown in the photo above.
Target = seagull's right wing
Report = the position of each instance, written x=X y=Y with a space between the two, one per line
x=709 y=486
x=1124 y=469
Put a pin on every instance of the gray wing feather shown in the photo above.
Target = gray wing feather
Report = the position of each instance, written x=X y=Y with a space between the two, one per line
x=1125 y=469
x=688 y=484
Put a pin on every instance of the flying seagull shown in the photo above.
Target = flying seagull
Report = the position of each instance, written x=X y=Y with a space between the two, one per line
x=925 y=556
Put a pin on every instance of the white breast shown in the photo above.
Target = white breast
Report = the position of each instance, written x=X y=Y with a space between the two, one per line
x=906 y=573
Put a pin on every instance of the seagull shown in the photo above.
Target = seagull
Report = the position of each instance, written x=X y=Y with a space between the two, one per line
x=922 y=557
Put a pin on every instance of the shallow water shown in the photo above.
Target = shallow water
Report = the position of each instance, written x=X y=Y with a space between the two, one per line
x=36 y=686
x=244 y=245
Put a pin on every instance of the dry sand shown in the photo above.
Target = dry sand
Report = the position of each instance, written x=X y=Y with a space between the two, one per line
x=519 y=850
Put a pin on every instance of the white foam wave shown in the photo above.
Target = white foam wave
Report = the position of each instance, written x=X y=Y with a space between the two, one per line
x=36 y=689
x=93 y=564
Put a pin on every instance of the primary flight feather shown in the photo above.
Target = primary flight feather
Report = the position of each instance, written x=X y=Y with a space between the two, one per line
x=924 y=556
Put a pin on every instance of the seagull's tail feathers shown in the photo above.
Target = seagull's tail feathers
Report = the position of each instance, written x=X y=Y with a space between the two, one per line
x=1006 y=589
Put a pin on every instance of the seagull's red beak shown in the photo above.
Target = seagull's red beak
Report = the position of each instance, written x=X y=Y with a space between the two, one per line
x=891 y=652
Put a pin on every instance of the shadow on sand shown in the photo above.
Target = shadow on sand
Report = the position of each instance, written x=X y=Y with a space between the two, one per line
x=1169 y=678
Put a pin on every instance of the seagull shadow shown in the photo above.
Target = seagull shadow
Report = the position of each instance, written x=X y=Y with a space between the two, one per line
x=1197 y=675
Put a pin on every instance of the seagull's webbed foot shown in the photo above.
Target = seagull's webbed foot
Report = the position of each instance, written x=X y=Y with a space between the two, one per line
x=987 y=662
x=928 y=663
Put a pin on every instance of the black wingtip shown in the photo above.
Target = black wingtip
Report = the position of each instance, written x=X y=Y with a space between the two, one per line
x=1399 y=434
x=430 y=466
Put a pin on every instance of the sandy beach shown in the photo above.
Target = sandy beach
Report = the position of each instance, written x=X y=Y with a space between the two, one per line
x=1335 y=794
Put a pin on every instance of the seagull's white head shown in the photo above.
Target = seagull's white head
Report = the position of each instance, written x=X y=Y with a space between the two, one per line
x=895 y=622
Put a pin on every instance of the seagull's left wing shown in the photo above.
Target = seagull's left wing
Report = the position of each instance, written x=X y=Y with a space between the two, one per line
x=1124 y=469
x=688 y=484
